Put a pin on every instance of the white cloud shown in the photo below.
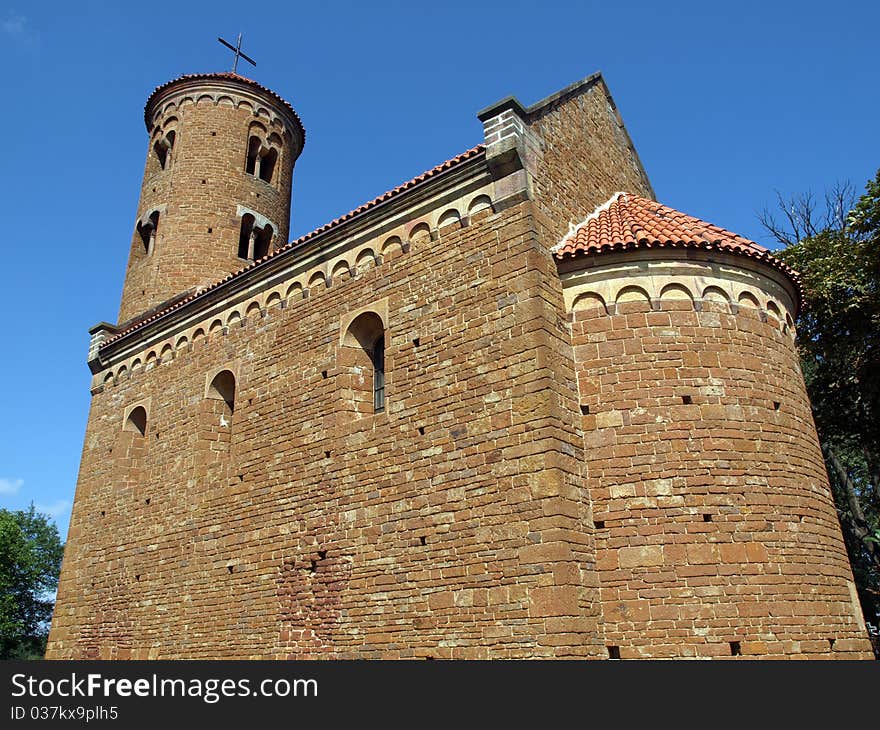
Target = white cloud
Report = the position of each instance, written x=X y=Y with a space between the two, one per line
x=55 y=509
x=14 y=25
x=8 y=487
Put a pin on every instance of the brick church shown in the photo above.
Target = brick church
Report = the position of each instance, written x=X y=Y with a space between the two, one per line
x=512 y=408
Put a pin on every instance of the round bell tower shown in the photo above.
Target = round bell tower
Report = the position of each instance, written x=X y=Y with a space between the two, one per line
x=216 y=188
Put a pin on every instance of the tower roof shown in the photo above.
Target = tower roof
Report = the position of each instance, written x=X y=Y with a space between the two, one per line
x=627 y=222
x=224 y=76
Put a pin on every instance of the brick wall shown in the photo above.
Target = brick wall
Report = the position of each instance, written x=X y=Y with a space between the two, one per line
x=716 y=531
x=586 y=156
x=448 y=526
x=482 y=514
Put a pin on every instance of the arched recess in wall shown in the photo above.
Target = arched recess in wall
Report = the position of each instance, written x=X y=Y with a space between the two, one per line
x=222 y=388
x=480 y=207
x=215 y=425
x=632 y=298
x=673 y=296
x=589 y=302
x=294 y=291
x=136 y=421
x=419 y=233
x=362 y=365
x=366 y=260
x=449 y=217
x=748 y=300
x=132 y=447
x=273 y=299
x=317 y=281
x=717 y=296
x=773 y=308
x=392 y=246
x=340 y=272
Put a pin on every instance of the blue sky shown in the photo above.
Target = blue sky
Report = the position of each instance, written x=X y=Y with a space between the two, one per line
x=726 y=103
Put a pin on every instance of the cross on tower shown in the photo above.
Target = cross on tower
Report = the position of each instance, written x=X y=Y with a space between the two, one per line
x=238 y=53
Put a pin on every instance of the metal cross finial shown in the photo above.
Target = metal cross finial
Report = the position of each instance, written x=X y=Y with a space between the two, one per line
x=238 y=53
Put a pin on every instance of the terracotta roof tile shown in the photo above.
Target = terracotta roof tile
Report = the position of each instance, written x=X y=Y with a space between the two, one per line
x=394 y=192
x=627 y=222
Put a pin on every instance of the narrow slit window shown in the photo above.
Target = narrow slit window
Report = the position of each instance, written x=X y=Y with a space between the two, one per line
x=378 y=357
x=245 y=242
x=253 y=154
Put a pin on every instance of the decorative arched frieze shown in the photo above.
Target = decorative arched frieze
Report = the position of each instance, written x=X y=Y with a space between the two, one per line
x=274 y=299
x=589 y=300
x=419 y=232
x=392 y=246
x=294 y=291
x=449 y=217
x=341 y=271
x=480 y=205
x=366 y=260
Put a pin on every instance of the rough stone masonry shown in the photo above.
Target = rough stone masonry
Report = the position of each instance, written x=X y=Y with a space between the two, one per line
x=504 y=410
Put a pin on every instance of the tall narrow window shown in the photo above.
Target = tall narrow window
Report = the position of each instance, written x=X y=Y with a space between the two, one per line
x=267 y=164
x=362 y=366
x=253 y=154
x=245 y=240
x=378 y=358
x=254 y=242
x=262 y=242
x=147 y=231
x=163 y=148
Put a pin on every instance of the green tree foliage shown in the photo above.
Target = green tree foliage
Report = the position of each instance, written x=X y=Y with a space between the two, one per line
x=30 y=561
x=838 y=336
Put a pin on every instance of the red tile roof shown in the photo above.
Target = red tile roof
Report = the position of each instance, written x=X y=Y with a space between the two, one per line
x=627 y=222
x=394 y=192
x=225 y=75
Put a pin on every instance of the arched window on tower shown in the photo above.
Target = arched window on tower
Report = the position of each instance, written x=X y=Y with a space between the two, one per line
x=245 y=250
x=262 y=242
x=254 y=241
x=362 y=361
x=147 y=231
x=163 y=148
x=253 y=155
x=267 y=164
x=262 y=155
